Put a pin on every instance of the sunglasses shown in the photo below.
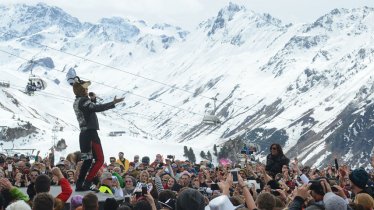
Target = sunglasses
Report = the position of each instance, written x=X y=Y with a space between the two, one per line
x=274 y=148
x=128 y=181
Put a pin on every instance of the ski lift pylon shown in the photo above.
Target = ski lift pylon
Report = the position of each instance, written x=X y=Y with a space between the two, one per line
x=211 y=118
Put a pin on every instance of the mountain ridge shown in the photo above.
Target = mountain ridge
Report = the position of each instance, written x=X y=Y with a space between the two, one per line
x=303 y=86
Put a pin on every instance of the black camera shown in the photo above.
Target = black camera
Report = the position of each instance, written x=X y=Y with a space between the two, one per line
x=170 y=156
x=138 y=194
x=144 y=190
x=127 y=199
x=275 y=193
x=214 y=187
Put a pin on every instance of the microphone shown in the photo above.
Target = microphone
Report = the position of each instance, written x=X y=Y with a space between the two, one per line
x=93 y=95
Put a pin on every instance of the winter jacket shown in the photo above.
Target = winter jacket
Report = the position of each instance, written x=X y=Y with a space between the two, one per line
x=85 y=111
x=105 y=189
x=125 y=164
x=66 y=190
x=274 y=164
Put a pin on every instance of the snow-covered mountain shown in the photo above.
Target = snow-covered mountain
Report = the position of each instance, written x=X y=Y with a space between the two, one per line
x=305 y=86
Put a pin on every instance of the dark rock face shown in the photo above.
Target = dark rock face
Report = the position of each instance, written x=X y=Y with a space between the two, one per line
x=9 y=134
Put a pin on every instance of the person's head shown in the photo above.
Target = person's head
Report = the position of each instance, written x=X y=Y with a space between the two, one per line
x=71 y=158
x=110 y=168
x=43 y=201
x=80 y=88
x=190 y=199
x=42 y=183
x=110 y=203
x=236 y=200
x=75 y=201
x=106 y=179
x=265 y=201
x=355 y=206
x=124 y=207
x=358 y=178
x=151 y=170
x=185 y=180
x=276 y=149
x=334 y=202
x=33 y=174
x=129 y=182
x=279 y=203
x=285 y=169
x=136 y=158
x=90 y=202
x=144 y=176
x=158 y=158
x=145 y=160
x=167 y=199
x=117 y=170
x=21 y=165
x=142 y=205
x=19 y=205
x=70 y=175
x=112 y=160
x=316 y=190
x=120 y=155
x=365 y=200
x=171 y=182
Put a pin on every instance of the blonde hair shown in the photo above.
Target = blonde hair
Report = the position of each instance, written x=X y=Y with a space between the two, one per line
x=365 y=200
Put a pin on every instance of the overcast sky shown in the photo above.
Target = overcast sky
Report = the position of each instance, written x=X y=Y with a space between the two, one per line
x=189 y=13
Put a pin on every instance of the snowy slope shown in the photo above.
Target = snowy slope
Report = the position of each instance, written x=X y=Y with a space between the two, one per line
x=307 y=87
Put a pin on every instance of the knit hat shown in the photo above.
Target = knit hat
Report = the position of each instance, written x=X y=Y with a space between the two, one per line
x=75 y=201
x=79 y=87
x=365 y=200
x=334 y=202
x=145 y=160
x=190 y=199
x=359 y=177
x=221 y=203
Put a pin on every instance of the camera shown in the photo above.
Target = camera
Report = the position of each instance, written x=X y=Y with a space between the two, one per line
x=170 y=156
x=127 y=199
x=214 y=186
x=234 y=174
x=144 y=190
x=138 y=194
x=275 y=193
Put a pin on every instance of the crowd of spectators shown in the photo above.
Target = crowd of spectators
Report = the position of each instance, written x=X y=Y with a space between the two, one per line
x=169 y=184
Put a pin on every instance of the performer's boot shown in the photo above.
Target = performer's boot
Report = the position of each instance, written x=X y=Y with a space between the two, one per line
x=79 y=186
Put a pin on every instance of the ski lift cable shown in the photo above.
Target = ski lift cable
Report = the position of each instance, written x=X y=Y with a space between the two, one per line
x=144 y=97
x=138 y=95
x=115 y=88
x=60 y=97
x=132 y=74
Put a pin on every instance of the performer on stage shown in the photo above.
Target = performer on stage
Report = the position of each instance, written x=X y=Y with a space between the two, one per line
x=85 y=108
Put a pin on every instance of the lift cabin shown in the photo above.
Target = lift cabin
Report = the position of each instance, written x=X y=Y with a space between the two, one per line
x=210 y=118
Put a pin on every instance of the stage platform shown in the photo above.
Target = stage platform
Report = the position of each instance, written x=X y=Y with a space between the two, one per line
x=55 y=190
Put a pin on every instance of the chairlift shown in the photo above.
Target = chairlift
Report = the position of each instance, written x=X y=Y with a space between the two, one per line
x=211 y=119
x=35 y=84
x=5 y=84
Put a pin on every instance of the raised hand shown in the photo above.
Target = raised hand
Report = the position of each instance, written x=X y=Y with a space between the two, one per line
x=303 y=191
x=117 y=100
